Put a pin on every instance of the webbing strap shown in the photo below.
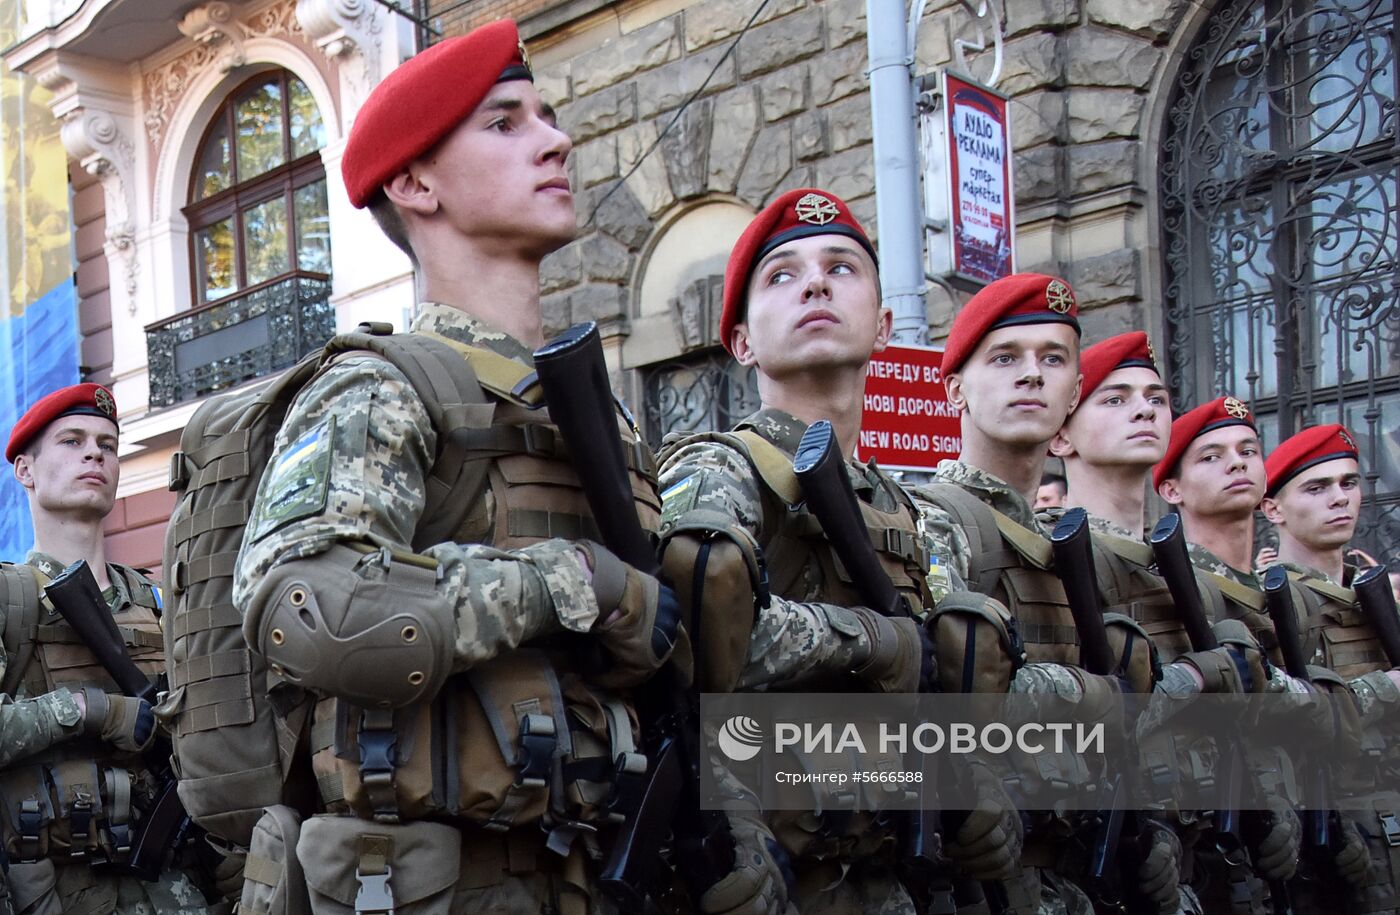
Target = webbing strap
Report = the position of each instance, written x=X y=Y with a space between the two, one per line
x=1334 y=592
x=203 y=568
x=1134 y=551
x=1240 y=594
x=546 y=524
x=233 y=467
x=19 y=597
x=205 y=619
x=207 y=667
x=62 y=632
x=236 y=442
x=1030 y=544
x=230 y=514
x=261 y=869
x=772 y=464
x=499 y=374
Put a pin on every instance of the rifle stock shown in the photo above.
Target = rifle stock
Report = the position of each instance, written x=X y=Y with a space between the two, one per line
x=78 y=599
x=574 y=377
x=1377 y=602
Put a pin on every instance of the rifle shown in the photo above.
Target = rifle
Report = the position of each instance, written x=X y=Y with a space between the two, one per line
x=574 y=377
x=1318 y=817
x=1377 y=602
x=75 y=595
x=821 y=472
x=1168 y=541
x=1074 y=564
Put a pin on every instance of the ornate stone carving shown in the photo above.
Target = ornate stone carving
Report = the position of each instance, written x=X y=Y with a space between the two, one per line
x=352 y=32
x=696 y=313
x=213 y=25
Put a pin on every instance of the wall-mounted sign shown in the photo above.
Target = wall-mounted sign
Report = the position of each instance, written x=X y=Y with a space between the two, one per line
x=968 y=189
x=908 y=423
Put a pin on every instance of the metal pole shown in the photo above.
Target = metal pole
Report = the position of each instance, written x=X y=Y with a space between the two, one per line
x=897 y=198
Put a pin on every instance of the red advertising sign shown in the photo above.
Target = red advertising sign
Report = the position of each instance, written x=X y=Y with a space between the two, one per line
x=908 y=423
x=982 y=197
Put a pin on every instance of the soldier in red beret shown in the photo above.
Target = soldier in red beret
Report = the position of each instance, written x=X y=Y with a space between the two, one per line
x=1313 y=499
x=420 y=564
x=66 y=730
x=802 y=309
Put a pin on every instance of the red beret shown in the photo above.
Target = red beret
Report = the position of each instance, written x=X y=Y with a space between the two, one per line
x=796 y=214
x=1219 y=413
x=1308 y=448
x=80 y=399
x=423 y=99
x=1128 y=350
x=1022 y=298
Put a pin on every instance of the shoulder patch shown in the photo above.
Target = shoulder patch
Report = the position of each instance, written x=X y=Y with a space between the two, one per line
x=679 y=498
x=298 y=483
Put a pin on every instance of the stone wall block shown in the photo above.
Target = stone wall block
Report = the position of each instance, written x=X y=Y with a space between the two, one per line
x=1037 y=117
x=1099 y=114
x=845 y=22
x=561 y=270
x=647 y=47
x=864 y=212
x=784 y=93
x=809 y=136
x=1100 y=57
x=554 y=312
x=850 y=174
x=1024 y=16
x=841 y=74
x=1110 y=320
x=729 y=143
x=686 y=148
x=649 y=181
x=597 y=302
x=1037 y=174
x=616 y=211
x=595 y=161
x=599 y=113
x=553 y=83
x=1108 y=278
x=1100 y=166
x=604 y=259
x=848 y=123
x=1153 y=19
x=1033 y=61
x=718 y=19
x=669 y=86
x=768 y=162
x=777 y=44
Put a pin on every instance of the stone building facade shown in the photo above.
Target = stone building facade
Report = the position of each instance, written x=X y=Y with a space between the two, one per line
x=1133 y=151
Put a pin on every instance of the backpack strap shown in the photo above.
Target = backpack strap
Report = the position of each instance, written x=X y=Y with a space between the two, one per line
x=1134 y=551
x=1240 y=594
x=19 y=601
x=772 y=465
x=977 y=518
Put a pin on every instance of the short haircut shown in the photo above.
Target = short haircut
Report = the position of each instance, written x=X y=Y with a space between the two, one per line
x=390 y=222
x=1048 y=479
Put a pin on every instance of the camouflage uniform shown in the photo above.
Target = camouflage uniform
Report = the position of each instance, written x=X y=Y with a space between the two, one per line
x=38 y=729
x=801 y=637
x=362 y=481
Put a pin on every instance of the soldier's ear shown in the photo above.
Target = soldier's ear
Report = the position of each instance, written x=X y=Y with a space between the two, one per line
x=1060 y=445
x=1170 y=491
x=953 y=385
x=1272 y=511
x=884 y=331
x=406 y=191
x=739 y=345
x=24 y=471
x=1074 y=398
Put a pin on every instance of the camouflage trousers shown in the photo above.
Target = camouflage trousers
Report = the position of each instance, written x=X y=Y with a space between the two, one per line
x=868 y=886
x=43 y=888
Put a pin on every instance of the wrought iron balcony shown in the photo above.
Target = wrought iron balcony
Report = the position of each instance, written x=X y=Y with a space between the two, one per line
x=258 y=331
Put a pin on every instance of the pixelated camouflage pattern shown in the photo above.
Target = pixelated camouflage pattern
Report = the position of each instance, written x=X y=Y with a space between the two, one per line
x=382 y=451
x=1207 y=561
x=78 y=889
x=792 y=639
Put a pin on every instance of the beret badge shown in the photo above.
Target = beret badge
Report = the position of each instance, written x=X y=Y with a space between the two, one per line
x=524 y=55
x=1058 y=297
x=1346 y=439
x=1236 y=408
x=1151 y=353
x=104 y=402
x=815 y=209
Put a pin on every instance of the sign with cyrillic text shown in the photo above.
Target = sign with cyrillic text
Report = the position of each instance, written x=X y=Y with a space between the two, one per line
x=908 y=423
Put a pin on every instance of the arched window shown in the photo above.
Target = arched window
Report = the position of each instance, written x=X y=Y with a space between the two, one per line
x=257 y=208
x=1280 y=236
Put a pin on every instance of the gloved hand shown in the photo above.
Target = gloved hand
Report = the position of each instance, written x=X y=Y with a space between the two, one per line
x=896 y=654
x=987 y=845
x=1159 y=874
x=759 y=883
x=1352 y=859
x=1276 y=855
x=124 y=722
x=1239 y=665
x=638 y=618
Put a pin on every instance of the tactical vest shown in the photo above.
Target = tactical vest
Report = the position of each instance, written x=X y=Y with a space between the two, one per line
x=522 y=738
x=1013 y=565
x=78 y=800
x=1335 y=630
x=802 y=566
x=1129 y=587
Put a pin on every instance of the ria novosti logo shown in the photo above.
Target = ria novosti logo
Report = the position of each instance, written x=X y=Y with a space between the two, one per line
x=740 y=738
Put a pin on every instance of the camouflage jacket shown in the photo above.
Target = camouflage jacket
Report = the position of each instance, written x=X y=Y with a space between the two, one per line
x=366 y=448
x=793 y=637
x=33 y=724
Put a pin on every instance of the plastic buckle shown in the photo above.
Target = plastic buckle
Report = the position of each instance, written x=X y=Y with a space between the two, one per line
x=80 y=824
x=179 y=473
x=377 y=751
x=629 y=785
x=374 y=893
x=537 y=745
x=1390 y=825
